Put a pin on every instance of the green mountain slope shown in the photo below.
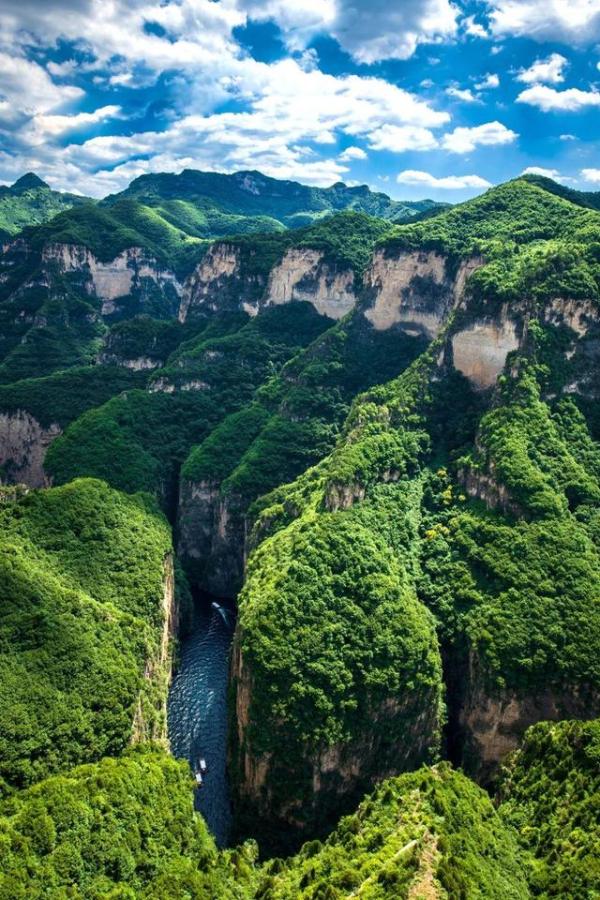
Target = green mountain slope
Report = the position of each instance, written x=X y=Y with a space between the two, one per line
x=81 y=612
x=29 y=201
x=208 y=204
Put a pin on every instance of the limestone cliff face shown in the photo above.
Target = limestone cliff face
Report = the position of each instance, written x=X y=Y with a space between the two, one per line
x=216 y=283
x=131 y=272
x=480 y=350
x=333 y=777
x=23 y=445
x=150 y=718
x=303 y=274
x=219 y=283
x=414 y=290
x=211 y=537
x=493 y=721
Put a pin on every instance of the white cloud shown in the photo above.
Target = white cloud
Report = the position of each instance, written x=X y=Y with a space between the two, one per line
x=463 y=140
x=568 y=137
x=548 y=70
x=446 y=183
x=474 y=28
x=369 y=30
x=490 y=81
x=399 y=138
x=548 y=173
x=464 y=94
x=29 y=88
x=51 y=125
x=352 y=153
x=549 y=99
x=573 y=22
x=591 y=175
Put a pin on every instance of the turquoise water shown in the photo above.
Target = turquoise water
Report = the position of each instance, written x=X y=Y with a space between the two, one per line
x=197 y=711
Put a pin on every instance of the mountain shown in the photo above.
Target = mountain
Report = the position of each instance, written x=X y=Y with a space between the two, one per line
x=379 y=441
x=208 y=204
x=30 y=201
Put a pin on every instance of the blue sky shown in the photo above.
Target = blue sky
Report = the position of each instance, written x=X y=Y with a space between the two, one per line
x=415 y=97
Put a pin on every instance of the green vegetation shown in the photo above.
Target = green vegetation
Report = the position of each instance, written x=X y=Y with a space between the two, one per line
x=432 y=833
x=551 y=796
x=209 y=204
x=137 y=441
x=81 y=592
x=64 y=396
x=29 y=201
x=118 y=828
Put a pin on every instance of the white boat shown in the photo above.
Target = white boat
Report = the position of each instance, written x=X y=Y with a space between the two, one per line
x=198 y=779
x=202 y=765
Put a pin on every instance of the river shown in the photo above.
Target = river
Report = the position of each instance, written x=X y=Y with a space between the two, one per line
x=197 y=710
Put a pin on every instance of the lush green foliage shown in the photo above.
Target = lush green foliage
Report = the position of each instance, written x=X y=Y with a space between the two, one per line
x=432 y=833
x=214 y=205
x=536 y=244
x=29 y=201
x=81 y=592
x=551 y=795
x=121 y=828
x=137 y=441
x=64 y=396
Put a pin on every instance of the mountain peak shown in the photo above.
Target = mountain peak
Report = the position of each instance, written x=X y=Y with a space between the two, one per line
x=27 y=182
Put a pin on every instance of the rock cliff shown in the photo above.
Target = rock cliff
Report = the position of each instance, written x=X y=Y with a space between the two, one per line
x=23 y=445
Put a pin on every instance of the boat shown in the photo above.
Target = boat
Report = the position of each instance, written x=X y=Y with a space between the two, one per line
x=198 y=776
x=202 y=765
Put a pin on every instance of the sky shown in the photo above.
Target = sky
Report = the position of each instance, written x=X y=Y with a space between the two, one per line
x=417 y=98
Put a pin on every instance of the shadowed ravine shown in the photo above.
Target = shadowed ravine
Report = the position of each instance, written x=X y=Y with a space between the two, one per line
x=198 y=710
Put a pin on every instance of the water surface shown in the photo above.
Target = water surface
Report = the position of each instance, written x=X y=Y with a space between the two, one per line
x=198 y=711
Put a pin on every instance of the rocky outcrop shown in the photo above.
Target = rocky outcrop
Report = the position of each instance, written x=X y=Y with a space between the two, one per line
x=333 y=777
x=216 y=283
x=221 y=282
x=480 y=350
x=211 y=537
x=23 y=446
x=132 y=272
x=414 y=290
x=304 y=274
x=150 y=717
x=493 y=721
x=484 y=486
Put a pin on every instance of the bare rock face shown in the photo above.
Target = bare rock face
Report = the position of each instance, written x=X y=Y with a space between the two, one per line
x=23 y=445
x=211 y=537
x=480 y=350
x=217 y=276
x=493 y=722
x=303 y=274
x=132 y=271
x=414 y=291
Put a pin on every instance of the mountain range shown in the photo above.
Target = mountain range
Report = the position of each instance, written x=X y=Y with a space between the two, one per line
x=370 y=426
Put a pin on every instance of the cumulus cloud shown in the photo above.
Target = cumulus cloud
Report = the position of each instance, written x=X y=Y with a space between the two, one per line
x=550 y=100
x=474 y=28
x=490 y=81
x=567 y=21
x=464 y=94
x=548 y=173
x=369 y=30
x=548 y=70
x=351 y=153
x=464 y=140
x=591 y=175
x=446 y=183
x=400 y=138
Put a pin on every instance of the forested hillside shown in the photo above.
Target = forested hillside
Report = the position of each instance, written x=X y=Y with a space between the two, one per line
x=374 y=441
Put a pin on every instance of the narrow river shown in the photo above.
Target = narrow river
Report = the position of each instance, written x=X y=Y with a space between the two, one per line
x=197 y=710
